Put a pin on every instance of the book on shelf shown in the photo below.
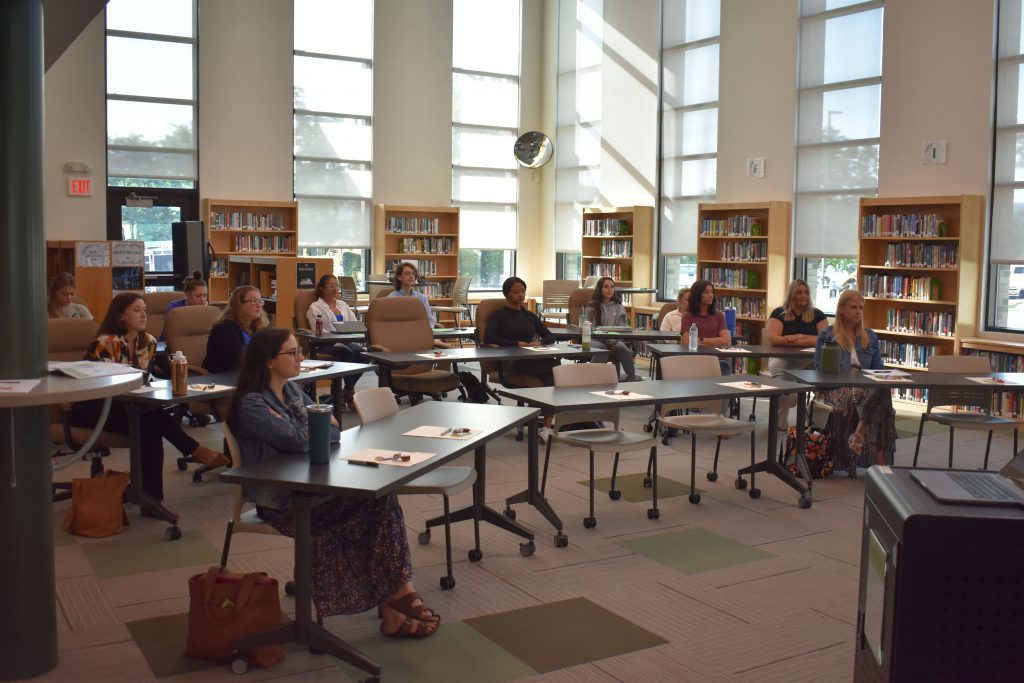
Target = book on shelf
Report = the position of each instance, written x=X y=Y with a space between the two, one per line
x=909 y=354
x=617 y=248
x=734 y=226
x=279 y=244
x=417 y=224
x=921 y=255
x=904 y=225
x=425 y=267
x=246 y=220
x=442 y=246
x=907 y=321
x=606 y=227
x=732 y=278
x=745 y=251
x=616 y=271
x=746 y=306
x=902 y=287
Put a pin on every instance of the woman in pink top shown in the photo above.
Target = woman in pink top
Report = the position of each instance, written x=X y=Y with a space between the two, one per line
x=711 y=327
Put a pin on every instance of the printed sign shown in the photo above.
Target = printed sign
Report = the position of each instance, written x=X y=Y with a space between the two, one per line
x=129 y=254
x=92 y=255
x=305 y=275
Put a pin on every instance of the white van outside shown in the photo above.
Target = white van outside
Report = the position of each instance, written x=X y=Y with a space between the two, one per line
x=1017 y=282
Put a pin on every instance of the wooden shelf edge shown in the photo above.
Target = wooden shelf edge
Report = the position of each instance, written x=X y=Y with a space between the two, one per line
x=915 y=335
x=910 y=301
x=999 y=346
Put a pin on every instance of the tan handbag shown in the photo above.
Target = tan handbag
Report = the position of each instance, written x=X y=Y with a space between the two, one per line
x=97 y=505
x=224 y=607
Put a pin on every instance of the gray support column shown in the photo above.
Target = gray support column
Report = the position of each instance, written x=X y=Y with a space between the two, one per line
x=28 y=632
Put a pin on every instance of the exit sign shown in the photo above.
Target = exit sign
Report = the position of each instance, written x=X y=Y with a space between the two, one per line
x=79 y=187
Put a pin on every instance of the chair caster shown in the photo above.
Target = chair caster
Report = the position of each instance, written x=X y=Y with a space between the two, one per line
x=475 y=555
x=741 y=484
x=665 y=441
x=647 y=482
x=615 y=494
x=653 y=513
x=510 y=513
x=712 y=476
x=197 y=477
x=424 y=537
x=315 y=651
x=561 y=540
x=240 y=664
x=447 y=583
x=804 y=502
x=182 y=465
x=173 y=533
x=289 y=588
x=755 y=493
x=752 y=418
x=695 y=498
x=519 y=436
x=589 y=522
x=526 y=549
x=648 y=428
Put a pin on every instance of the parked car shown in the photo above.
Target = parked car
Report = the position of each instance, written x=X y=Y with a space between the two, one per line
x=1017 y=282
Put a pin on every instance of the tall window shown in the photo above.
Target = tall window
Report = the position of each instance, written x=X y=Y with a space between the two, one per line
x=1006 y=248
x=151 y=131
x=485 y=123
x=578 y=122
x=840 y=91
x=333 y=128
x=689 y=133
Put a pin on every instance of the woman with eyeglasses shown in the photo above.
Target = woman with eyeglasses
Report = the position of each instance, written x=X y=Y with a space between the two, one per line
x=123 y=339
x=360 y=555
x=232 y=332
x=406 y=276
x=330 y=306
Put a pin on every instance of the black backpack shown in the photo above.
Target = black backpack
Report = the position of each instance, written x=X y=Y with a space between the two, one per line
x=476 y=391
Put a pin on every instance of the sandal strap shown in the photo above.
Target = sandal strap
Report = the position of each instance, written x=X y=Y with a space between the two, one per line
x=404 y=605
x=407 y=630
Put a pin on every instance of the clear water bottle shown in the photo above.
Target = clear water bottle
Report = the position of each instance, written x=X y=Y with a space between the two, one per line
x=694 y=338
x=585 y=335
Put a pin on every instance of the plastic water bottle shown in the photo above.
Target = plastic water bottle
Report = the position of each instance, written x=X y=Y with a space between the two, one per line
x=179 y=374
x=585 y=335
x=694 y=338
x=319 y=325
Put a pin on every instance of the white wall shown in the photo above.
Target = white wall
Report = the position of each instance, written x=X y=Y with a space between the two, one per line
x=75 y=130
x=245 y=99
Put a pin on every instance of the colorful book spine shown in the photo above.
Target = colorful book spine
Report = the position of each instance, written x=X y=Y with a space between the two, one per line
x=606 y=227
x=900 y=225
x=734 y=226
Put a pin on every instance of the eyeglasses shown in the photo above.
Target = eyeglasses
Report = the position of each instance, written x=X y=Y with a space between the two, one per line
x=252 y=301
x=396 y=457
x=290 y=352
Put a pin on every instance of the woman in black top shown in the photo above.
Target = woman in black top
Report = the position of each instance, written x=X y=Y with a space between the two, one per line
x=516 y=326
x=796 y=323
x=231 y=334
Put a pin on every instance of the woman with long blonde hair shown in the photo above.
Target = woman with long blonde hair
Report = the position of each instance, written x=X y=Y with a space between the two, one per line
x=862 y=418
x=230 y=335
x=795 y=323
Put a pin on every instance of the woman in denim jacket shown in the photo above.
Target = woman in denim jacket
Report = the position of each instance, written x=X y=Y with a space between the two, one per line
x=863 y=419
x=360 y=555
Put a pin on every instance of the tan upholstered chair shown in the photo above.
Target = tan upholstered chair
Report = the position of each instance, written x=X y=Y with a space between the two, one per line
x=67 y=340
x=304 y=298
x=665 y=310
x=400 y=324
x=578 y=300
x=156 y=304
x=493 y=370
x=377 y=404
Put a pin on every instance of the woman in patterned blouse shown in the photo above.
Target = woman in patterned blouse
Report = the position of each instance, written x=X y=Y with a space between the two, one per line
x=123 y=339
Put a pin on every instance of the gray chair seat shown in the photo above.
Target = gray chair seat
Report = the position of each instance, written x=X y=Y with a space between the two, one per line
x=970 y=420
x=444 y=481
x=707 y=424
x=605 y=440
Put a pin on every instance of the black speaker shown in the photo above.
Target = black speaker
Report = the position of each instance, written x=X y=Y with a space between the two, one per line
x=191 y=252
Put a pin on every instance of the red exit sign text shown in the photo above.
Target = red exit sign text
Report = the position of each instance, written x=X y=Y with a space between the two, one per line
x=79 y=187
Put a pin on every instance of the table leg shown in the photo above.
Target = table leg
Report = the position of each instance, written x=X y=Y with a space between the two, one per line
x=135 y=494
x=532 y=495
x=771 y=465
x=337 y=385
x=303 y=630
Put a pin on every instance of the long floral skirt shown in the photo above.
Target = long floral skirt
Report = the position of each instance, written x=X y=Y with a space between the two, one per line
x=360 y=554
x=850 y=407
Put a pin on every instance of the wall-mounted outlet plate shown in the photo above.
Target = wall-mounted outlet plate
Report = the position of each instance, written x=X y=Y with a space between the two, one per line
x=755 y=167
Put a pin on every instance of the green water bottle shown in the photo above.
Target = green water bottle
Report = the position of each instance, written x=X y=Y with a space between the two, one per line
x=830 y=356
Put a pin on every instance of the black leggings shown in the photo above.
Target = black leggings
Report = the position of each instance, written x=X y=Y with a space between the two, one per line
x=345 y=353
x=155 y=426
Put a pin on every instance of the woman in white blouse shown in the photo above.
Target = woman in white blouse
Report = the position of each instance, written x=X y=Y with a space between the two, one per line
x=330 y=307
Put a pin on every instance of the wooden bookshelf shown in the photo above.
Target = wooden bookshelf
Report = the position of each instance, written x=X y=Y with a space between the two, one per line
x=247 y=228
x=919 y=266
x=617 y=243
x=743 y=250
x=427 y=236
x=1003 y=356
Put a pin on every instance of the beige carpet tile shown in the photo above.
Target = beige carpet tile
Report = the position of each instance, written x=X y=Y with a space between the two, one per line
x=672 y=615
x=119 y=662
x=150 y=587
x=694 y=587
x=69 y=641
x=70 y=562
x=769 y=567
x=831 y=664
x=664 y=664
x=521 y=574
x=583 y=673
x=795 y=591
x=141 y=553
x=153 y=608
x=83 y=604
x=595 y=578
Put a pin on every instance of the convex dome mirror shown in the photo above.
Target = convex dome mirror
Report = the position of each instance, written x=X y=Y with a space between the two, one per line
x=533 y=149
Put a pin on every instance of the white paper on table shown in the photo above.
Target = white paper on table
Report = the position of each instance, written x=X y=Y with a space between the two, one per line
x=442 y=432
x=313 y=365
x=809 y=349
x=732 y=349
x=18 y=386
x=993 y=380
x=371 y=455
x=539 y=348
x=439 y=355
x=618 y=394
x=747 y=386
x=886 y=373
x=889 y=378
x=86 y=369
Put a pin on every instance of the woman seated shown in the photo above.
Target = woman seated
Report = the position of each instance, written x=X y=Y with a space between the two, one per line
x=605 y=308
x=863 y=418
x=195 y=295
x=513 y=325
x=329 y=306
x=795 y=323
x=673 y=320
x=123 y=339
x=231 y=333
x=360 y=554
x=406 y=277
x=59 y=302
x=711 y=327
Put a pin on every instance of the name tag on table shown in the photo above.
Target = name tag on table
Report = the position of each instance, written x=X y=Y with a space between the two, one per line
x=209 y=387
x=620 y=394
x=732 y=349
x=314 y=365
x=442 y=432
x=998 y=381
x=746 y=386
x=440 y=355
x=539 y=348
x=156 y=385
x=378 y=456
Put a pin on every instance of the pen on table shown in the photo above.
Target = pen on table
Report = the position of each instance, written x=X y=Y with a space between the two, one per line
x=446 y=432
x=364 y=463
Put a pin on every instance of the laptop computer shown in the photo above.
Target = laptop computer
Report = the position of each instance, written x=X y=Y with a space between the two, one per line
x=1002 y=488
x=348 y=327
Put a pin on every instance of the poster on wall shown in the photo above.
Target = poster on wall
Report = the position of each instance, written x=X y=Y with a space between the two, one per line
x=128 y=254
x=92 y=255
x=305 y=275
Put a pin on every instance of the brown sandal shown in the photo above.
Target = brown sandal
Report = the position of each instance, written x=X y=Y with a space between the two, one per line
x=420 y=612
x=407 y=630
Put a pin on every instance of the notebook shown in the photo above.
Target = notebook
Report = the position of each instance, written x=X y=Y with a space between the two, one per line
x=1002 y=488
x=348 y=327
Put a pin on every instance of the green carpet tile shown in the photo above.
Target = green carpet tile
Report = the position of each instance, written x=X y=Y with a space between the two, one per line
x=149 y=553
x=455 y=652
x=907 y=428
x=162 y=642
x=633 y=489
x=562 y=634
x=694 y=550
